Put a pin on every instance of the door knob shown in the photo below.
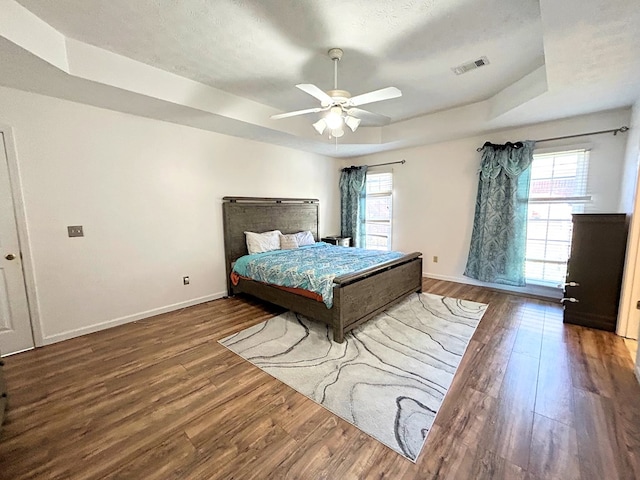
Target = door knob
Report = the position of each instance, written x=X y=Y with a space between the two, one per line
x=10 y=256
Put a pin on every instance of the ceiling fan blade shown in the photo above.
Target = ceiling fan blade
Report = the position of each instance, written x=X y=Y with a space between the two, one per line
x=297 y=112
x=375 y=96
x=315 y=92
x=369 y=118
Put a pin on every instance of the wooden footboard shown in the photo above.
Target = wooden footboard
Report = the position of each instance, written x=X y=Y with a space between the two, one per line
x=360 y=299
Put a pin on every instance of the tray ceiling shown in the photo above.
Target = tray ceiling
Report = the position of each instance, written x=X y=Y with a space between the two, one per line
x=546 y=60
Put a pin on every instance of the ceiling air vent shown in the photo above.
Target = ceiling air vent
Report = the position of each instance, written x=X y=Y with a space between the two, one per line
x=465 y=67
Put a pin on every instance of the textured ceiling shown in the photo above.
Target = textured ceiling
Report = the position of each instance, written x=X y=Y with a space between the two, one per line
x=260 y=49
x=228 y=65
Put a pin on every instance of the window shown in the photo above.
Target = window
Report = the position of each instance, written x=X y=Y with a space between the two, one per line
x=378 y=211
x=557 y=189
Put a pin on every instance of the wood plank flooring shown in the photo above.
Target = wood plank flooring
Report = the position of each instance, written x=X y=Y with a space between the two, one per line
x=161 y=399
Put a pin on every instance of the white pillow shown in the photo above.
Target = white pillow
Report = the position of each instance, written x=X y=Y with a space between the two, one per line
x=288 y=242
x=263 y=242
x=305 y=238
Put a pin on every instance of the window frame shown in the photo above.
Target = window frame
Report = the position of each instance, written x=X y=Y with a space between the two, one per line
x=576 y=202
x=388 y=222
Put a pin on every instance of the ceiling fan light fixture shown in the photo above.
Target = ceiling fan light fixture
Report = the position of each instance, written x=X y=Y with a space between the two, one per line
x=352 y=122
x=334 y=118
x=320 y=126
x=338 y=107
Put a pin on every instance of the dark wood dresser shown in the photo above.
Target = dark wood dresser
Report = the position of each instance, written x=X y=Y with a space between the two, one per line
x=594 y=273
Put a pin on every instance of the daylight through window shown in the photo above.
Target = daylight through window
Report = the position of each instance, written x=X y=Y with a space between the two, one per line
x=558 y=188
x=378 y=212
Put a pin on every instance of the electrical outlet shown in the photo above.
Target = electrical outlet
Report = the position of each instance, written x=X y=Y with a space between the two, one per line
x=75 y=231
x=185 y=280
x=435 y=259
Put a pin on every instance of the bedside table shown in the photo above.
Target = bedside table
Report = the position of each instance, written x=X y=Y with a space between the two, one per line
x=340 y=241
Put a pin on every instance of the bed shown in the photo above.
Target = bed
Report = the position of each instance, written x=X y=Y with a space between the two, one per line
x=357 y=297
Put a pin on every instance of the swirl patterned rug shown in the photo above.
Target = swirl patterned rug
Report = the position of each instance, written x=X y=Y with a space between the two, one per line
x=390 y=375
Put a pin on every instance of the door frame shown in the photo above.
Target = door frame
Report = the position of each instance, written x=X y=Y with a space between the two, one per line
x=631 y=274
x=23 y=233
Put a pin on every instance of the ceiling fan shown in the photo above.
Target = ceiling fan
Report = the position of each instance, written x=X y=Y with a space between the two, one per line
x=340 y=106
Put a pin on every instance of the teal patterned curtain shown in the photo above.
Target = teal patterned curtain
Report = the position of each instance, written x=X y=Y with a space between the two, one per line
x=352 y=204
x=499 y=236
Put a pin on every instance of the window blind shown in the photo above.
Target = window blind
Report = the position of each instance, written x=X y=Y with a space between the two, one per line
x=558 y=188
x=379 y=191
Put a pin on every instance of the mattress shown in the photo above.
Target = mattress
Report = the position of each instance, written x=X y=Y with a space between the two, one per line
x=312 y=268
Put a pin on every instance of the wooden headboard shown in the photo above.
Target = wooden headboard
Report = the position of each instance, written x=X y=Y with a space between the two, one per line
x=253 y=214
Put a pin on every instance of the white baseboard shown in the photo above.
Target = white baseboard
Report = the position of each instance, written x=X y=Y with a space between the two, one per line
x=537 y=290
x=58 y=337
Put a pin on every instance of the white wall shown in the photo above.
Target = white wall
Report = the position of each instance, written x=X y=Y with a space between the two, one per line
x=434 y=192
x=148 y=194
x=630 y=166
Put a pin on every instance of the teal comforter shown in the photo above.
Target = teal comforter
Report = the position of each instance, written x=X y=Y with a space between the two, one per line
x=312 y=268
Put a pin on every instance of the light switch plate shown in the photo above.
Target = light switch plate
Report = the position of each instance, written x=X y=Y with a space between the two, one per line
x=75 y=231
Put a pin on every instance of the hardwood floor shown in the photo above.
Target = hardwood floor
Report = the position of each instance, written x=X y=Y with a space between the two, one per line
x=632 y=346
x=160 y=398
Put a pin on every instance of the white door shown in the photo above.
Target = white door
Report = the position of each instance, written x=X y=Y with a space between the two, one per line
x=633 y=321
x=15 y=324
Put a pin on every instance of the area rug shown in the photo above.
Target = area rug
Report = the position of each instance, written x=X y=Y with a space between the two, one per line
x=390 y=375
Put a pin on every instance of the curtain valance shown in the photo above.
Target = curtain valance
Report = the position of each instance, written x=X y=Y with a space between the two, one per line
x=510 y=158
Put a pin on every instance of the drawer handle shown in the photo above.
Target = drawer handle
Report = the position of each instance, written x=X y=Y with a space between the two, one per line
x=4 y=395
x=570 y=299
x=571 y=284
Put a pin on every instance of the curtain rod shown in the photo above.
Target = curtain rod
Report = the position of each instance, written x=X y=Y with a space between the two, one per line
x=376 y=165
x=615 y=131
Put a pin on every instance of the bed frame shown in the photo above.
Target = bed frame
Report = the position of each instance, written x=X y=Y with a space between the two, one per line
x=356 y=297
